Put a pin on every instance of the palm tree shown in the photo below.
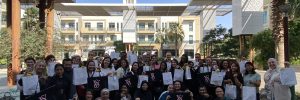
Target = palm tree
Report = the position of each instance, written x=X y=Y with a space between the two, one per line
x=175 y=34
x=161 y=38
x=277 y=29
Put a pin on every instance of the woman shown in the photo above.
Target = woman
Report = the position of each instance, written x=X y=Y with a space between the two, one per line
x=224 y=66
x=234 y=77
x=203 y=94
x=89 y=95
x=124 y=68
x=91 y=68
x=163 y=66
x=215 y=65
x=178 y=89
x=135 y=69
x=219 y=92
x=164 y=95
x=115 y=63
x=274 y=89
x=251 y=78
x=104 y=94
x=60 y=84
x=106 y=68
x=41 y=71
x=183 y=60
x=144 y=93
x=123 y=94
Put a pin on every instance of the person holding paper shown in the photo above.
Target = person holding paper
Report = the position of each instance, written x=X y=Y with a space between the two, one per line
x=91 y=57
x=183 y=60
x=41 y=71
x=144 y=93
x=168 y=60
x=106 y=68
x=124 y=68
x=242 y=64
x=90 y=68
x=30 y=62
x=251 y=78
x=273 y=87
x=234 y=77
x=215 y=65
x=61 y=89
x=197 y=57
x=76 y=61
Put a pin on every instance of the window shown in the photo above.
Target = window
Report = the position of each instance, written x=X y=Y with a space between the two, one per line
x=191 y=26
x=76 y=26
x=63 y=24
x=191 y=40
x=117 y=26
x=62 y=37
x=71 y=38
x=163 y=25
x=87 y=25
x=172 y=24
x=100 y=38
x=142 y=26
x=113 y=37
x=151 y=38
x=99 y=25
x=141 y=37
x=72 y=25
x=85 y=38
x=112 y=25
x=151 y=26
x=190 y=53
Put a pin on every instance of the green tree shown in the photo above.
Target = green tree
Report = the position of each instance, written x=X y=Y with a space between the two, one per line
x=5 y=45
x=214 y=39
x=119 y=46
x=33 y=38
x=230 y=45
x=175 y=34
x=161 y=39
x=264 y=45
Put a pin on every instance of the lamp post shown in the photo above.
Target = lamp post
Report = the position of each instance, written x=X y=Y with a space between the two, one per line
x=284 y=9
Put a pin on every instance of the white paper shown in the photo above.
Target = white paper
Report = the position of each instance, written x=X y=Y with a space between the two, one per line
x=178 y=74
x=217 y=78
x=75 y=66
x=146 y=68
x=167 y=78
x=114 y=55
x=188 y=73
x=96 y=63
x=50 y=68
x=230 y=91
x=19 y=76
x=81 y=76
x=196 y=63
x=113 y=83
x=133 y=58
x=97 y=74
x=30 y=85
x=249 y=93
x=141 y=79
x=288 y=77
x=105 y=71
x=168 y=66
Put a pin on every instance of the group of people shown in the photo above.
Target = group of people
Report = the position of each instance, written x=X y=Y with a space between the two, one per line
x=191 y=80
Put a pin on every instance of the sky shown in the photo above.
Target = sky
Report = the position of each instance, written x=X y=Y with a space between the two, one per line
x=225 y=21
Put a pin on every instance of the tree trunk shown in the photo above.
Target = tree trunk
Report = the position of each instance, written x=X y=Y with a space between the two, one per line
x=277 y=28
x=161 y=50
x=50 y=25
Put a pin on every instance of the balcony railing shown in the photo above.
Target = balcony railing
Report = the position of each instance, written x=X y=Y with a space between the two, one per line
x=111 y=29
x=68 y=28
x=146 y=42
x=146 y=29
x=95 y=29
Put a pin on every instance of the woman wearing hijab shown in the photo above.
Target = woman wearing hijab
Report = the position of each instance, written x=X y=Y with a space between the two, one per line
x=274 y=89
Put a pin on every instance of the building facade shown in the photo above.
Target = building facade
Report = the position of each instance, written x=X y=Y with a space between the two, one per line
x=81 y=34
